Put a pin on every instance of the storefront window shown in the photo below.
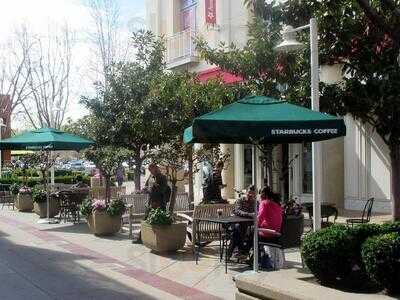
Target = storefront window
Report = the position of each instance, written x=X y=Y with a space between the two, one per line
x=248 y=165
x=307 y=168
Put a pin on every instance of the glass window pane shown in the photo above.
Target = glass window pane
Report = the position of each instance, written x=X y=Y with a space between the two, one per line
x=248 y=165
x=307 y=168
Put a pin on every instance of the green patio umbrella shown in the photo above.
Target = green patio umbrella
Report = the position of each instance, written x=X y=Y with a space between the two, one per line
x=48 y=139
x=265 y=120
x=45 y=139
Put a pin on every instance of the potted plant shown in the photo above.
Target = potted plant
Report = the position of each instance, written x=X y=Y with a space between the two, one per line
x=103 y=218
x=24 y=200
x=39 y=198
x=160 y=233
x=293 y=223
x=14 y=189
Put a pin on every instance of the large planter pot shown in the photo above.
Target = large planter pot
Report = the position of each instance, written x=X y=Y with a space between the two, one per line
x=101 y=223
x=25 y=202
x=163 y=238
x=41 y=208
x=293 y=229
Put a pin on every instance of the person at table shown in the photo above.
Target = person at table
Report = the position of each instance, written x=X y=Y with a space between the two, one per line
x=244 y=207
x=270 y=214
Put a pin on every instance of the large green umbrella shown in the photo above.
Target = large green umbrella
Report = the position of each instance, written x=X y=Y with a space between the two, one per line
x=48 y=139
x=45 y=139
x=265 y=120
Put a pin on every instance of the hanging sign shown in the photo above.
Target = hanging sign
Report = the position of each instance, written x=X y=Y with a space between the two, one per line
x=211 y=14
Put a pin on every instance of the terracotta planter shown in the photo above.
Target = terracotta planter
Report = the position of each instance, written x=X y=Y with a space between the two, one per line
x=101 y=223
x=24 y=202
x=163 y=238
x=41 y=208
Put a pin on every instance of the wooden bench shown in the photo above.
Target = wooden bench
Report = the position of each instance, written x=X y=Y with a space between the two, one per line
x=208 y=231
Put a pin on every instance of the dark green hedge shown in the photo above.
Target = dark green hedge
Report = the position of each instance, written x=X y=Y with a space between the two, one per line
x=31 y=182
x=333 y=254
x=381 y=257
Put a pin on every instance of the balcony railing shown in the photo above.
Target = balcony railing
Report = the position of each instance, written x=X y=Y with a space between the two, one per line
x=181 y=49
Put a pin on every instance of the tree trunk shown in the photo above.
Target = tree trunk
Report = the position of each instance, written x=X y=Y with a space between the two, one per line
x=172 y=199
x=108 y=186
x=190 y=175
x=395 y=180
x=137 y=172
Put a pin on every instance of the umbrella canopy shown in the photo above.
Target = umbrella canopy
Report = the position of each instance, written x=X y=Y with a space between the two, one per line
x=46 y=139
x=266 y=120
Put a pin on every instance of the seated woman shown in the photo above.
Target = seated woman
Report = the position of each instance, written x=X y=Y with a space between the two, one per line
x=244 y=207
x=269 y=214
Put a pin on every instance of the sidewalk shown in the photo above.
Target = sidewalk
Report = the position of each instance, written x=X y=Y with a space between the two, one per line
x=65 y=261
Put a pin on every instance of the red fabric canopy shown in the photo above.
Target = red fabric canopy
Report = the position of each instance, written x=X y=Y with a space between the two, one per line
x=217 y=72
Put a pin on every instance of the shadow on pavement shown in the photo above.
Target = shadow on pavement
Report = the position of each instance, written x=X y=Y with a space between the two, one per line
x=35 y=273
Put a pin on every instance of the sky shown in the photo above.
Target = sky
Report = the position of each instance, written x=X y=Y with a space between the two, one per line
x=40 y=13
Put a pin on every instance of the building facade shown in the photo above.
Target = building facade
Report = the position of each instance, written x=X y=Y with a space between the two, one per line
x=355 y=167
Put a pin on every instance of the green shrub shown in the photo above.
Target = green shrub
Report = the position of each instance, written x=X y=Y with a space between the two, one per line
x=58 y=173
x=130 y=176
x=329 y=253
x=86 y=208
x=39 y=195
x=14 y=188
x=159 y=216
x=381 y=257
x=116 y=207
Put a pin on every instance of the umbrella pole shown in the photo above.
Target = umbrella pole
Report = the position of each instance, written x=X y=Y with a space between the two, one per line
x=48 y=220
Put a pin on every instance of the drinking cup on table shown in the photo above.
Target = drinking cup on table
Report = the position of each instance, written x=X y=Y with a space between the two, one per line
x=219 y=212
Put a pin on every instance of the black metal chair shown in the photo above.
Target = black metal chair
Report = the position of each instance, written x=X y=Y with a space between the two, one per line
x=366 y=215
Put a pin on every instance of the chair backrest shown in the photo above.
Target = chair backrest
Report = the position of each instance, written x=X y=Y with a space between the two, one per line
x=182 y=202
x=138 y=201
x=209 y=231
x=291 y=230
x=367 y=210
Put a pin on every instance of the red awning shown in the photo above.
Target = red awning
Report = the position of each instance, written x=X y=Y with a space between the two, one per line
x=217 y=72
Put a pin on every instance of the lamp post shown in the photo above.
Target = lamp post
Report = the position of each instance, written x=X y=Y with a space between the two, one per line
x=290 y=43
x=1 y=154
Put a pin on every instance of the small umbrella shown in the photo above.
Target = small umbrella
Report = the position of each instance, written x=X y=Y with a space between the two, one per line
x=263 y=120
x=45 y=139
x=49 y=139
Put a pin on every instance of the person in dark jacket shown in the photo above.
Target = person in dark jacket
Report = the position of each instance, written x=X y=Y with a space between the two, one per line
x=244 y=207
x=214 y=184
x=157 y=187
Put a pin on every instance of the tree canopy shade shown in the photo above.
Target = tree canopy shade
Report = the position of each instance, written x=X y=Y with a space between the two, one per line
x=265 y=120
x=45 y=139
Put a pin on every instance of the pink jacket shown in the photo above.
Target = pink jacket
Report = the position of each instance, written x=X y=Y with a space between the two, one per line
x=269 y=216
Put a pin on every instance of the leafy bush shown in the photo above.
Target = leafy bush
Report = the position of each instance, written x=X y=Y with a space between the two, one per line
x=381 y=257
x=59 y=173
x=39 y=195
x=159 y=216
x=14 y=188
x=329 y=253
x=86 y=208
x=116 y=207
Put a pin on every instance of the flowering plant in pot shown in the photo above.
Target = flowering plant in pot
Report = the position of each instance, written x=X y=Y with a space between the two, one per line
x=103 y=218
x=293 y=226
x=161 y=233
x=24 y=199
x=39 y=197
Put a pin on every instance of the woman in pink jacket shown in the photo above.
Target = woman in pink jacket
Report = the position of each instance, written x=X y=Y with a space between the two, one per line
x=269 y=213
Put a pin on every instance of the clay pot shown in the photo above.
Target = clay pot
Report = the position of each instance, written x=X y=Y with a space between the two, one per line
x=100 y=223
x=163 y=238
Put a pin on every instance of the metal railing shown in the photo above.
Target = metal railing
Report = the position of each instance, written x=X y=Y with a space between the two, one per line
x=180 y=46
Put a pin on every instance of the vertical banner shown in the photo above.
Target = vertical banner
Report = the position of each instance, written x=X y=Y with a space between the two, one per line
x=211 y=16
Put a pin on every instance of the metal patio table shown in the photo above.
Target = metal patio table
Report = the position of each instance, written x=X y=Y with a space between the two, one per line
x=224 y=224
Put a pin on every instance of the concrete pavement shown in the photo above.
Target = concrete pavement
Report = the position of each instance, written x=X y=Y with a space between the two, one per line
x=65 y=261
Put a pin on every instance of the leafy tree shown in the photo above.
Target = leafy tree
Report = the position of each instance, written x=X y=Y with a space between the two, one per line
x=123 y=115
x=108 y=160
x=363 y=36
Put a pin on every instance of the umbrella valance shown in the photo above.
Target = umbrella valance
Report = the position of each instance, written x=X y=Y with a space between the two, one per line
x=265 y=120
x=45 y=139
